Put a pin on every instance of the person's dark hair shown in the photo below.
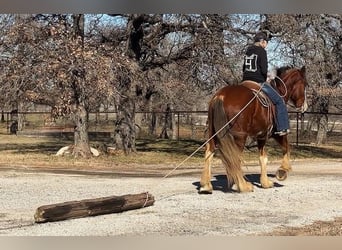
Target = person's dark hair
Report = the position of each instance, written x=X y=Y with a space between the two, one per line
x=262 y=35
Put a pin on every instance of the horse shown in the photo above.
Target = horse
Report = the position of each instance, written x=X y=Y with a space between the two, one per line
x=237 y=112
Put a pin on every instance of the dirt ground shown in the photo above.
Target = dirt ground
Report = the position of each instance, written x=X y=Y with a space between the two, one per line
x=308 y=203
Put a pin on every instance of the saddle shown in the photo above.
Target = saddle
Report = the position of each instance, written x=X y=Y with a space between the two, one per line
x=260 y=95
x=264 y=100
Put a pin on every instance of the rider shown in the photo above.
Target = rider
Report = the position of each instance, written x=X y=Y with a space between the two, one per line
x=255 y=69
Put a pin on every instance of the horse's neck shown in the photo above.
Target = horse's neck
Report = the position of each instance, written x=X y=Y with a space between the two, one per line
x=284 y=87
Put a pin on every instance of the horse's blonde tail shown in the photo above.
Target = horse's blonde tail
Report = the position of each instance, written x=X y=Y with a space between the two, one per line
x=229 y=152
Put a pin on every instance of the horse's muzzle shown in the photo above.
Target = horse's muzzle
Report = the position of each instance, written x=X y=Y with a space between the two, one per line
x=303 y=108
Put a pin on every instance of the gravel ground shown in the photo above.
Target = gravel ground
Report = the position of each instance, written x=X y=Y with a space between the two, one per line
x=312 y=192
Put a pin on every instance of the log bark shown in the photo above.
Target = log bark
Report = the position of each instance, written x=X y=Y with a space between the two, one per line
x=92 y=207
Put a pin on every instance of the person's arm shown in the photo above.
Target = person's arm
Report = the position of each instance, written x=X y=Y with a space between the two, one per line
x=263 y=64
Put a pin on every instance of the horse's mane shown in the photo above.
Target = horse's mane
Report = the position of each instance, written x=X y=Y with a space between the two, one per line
x=287 y=69
x=282 y=70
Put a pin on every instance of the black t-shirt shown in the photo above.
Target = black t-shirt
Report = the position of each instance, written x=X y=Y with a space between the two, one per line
x=255 y=64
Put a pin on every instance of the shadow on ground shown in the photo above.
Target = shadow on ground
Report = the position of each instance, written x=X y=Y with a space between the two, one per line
x=172 y=147
x=182 y=147
x=27 y=148
x=219 y=182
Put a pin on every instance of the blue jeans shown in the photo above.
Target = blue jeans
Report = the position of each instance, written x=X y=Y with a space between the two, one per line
x=282 y=117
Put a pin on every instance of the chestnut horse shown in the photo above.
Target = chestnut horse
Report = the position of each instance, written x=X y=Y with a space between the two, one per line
x=238 y=111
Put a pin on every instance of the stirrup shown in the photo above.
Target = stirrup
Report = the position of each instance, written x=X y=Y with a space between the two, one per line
x=282 y=132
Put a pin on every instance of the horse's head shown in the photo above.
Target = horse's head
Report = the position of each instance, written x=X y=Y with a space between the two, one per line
x=292 y=83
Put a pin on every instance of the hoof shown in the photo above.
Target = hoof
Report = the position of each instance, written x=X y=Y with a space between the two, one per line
x=247 y=187
x=281 y=174
x=266 y=183
x=205 y=191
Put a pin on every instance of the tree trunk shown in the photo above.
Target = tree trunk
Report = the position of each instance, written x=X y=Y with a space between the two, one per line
x=322 y=129
x=167 y=127
x=81 y=140
x=309 y=126
x=105 y=109
x=173 y=125
x=153 y=123
x=21 y=117
x=151 y=116
x=322 y=119
x=124 y=132
x=97 y=117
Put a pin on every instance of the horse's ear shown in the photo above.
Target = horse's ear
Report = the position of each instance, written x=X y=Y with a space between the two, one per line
x=303 y=70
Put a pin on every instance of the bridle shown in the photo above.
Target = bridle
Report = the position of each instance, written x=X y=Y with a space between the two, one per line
x=291 y=104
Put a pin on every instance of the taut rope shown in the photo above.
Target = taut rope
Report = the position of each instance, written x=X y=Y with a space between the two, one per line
x=250 y=101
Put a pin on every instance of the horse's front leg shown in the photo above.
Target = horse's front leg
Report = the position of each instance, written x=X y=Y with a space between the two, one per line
x=264 y=180
x=285 y=166
x=206 y=187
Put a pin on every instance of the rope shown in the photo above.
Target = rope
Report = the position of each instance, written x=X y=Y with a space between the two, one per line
x=283 y=84
x=187 y=158
x=145 y=200
x=180 y=164
x=290 y=103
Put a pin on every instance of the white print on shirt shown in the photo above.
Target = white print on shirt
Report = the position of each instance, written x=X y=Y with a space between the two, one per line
x=251 y=63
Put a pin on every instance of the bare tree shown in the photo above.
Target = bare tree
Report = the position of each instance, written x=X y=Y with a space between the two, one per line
x=180 y=57
x=144 y=62
x=313 y=40
x=51 y=64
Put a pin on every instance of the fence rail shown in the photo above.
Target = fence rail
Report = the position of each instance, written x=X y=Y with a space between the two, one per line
x=188 y=124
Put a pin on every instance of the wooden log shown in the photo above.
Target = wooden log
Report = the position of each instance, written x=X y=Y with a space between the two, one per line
x=92 y=207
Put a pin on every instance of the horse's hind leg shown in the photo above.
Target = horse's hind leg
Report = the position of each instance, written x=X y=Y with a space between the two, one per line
x=206 y=187
x=264 y=180
x=236 y=174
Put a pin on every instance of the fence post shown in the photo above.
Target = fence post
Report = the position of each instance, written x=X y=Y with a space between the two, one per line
x=7 y=122
x=297 y=128
x=178 y=125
